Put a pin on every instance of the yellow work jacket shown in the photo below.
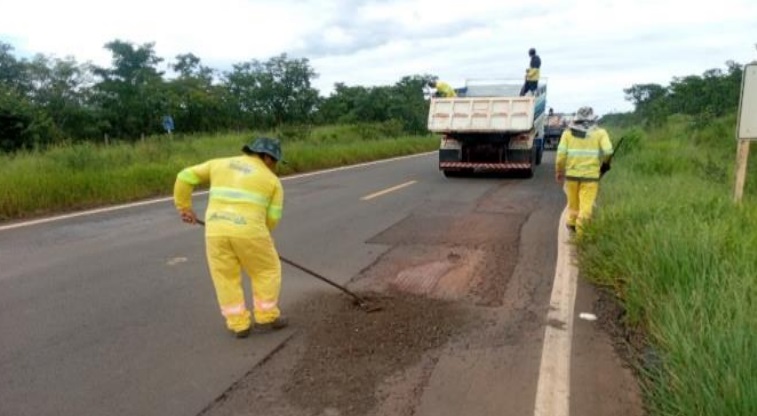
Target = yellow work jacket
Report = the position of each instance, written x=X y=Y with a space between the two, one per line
x=444 y=90
x=246 y=198
x=533 y=71
x=532 y=74
x=581 y=157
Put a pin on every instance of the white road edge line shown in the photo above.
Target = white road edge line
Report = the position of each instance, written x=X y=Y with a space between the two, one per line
x=159 y=200
x=387 y=190
x=553 y=389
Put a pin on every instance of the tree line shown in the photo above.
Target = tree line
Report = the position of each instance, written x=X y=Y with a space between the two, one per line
x=713 y=94
x=46 y=100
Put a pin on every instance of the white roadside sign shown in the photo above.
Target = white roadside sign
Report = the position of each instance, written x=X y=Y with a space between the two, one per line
x=747 y=126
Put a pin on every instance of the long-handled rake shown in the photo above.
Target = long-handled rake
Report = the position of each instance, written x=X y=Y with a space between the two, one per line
x=361 y=302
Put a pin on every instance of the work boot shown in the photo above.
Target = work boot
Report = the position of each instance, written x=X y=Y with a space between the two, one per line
x=276 y=324
x=243 y=333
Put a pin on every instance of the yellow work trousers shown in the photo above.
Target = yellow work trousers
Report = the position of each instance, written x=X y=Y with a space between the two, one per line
x=259 y=259
x=581 y=196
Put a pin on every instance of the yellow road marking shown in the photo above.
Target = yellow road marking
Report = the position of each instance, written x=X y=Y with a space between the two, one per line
x=387 y=190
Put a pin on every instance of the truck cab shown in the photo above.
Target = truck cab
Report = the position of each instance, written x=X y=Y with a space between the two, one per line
x=556 y=124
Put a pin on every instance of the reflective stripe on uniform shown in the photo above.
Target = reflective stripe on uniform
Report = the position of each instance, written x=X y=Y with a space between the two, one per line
x=583 y=168
x=238 y=195
x=265 y=305
x=189 y=177
x=275 y=211
x=234 y=309
x=584 y=152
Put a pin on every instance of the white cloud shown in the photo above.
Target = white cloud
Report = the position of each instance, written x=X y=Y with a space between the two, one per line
x=591 y=49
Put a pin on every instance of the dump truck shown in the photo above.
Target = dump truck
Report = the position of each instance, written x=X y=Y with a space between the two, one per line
x=556 y=124
x=489 y=127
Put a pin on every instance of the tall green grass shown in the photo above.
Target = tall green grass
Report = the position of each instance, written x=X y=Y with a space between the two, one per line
x=682 y=257
x=85 y=175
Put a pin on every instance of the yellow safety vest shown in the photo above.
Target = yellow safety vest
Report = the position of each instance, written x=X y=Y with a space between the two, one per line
x=445 y=90
x=246 y=198
x=581 y=157
x=532 y=74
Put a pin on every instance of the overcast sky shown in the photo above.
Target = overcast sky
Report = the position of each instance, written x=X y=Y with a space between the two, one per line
x=590 y=49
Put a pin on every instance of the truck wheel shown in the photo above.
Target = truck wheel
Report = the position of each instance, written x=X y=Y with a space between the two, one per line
x=457 y=173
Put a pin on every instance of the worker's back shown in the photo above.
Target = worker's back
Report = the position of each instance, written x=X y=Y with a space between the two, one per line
x=444 y=90
x=244 y=196
x=582 y=156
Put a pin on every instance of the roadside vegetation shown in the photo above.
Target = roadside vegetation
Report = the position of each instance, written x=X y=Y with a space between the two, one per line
x=669 y=242
x=78 y=135
x=76 y=176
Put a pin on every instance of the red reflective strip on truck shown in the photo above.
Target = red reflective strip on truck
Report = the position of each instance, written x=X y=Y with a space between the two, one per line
x=490 y=166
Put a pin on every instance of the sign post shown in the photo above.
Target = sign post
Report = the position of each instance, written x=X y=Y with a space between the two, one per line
x=746 y=129
x=168 y=124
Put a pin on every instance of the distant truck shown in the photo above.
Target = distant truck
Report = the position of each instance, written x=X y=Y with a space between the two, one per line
x=489 y=127
x=556 y=124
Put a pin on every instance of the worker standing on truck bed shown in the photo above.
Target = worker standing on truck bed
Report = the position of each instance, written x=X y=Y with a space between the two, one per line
x=443 y=89
x=532 y=73
x=244 y=205
x=582 y=149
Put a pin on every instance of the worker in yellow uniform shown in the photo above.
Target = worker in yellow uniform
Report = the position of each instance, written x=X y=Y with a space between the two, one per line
x=245 y=204
x=582 y=149
x=532 y=74
x=443 y=90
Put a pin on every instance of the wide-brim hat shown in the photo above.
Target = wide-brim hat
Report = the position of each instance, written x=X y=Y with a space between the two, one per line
x=585 y=114
x=265 y=145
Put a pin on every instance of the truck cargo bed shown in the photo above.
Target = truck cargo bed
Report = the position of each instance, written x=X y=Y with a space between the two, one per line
x=483 y=114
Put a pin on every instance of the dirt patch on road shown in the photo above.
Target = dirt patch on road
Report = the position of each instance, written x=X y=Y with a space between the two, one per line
x=343 y=354
x=349 y=351
x=468 y=257
x=443 y=264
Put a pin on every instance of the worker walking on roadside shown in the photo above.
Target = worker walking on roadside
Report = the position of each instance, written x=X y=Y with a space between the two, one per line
x=532 y=74
x=443 y=89
x=582 y=149
x=245 y=204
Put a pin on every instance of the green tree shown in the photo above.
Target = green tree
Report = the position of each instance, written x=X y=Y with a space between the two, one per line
x=714 y=93
x=274 y=92
x=131 y=93
x=409 y=105
x=194 y=102
x=402 y=102
x=340 y=106
x=651 y=102
x=61 y=88
x=21 y=125
x=13 y=71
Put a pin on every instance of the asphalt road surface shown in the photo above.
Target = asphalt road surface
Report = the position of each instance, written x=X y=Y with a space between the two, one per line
x=113 y=312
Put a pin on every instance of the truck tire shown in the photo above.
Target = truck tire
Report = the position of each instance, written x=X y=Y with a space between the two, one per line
x=457 y=173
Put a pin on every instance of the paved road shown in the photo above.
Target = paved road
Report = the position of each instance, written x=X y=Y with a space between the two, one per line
x=113 y=313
